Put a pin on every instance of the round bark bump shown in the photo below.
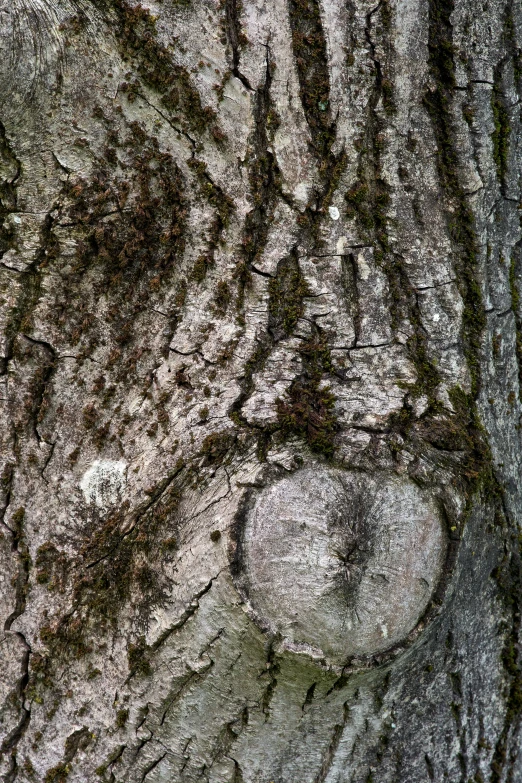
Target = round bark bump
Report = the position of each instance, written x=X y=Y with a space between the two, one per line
x=341 y=564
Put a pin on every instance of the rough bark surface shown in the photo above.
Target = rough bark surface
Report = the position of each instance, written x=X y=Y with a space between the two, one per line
x=262 y=340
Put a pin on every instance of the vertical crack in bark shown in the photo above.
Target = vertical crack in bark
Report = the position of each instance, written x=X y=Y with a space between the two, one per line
x=236 y=38
x=223 y=206
x=370 y=199
x=41 y=387
x=264 y=179
x=500 y=107
x=461 y=224
x=311 y=59
x=438 y=102
x=8 y=205
x=333 y=747
x=264 y=175
x=429 y=767
x=19 y=546
x=515 y=276
x=238 y=772
x=225 y=740
x=286 y=291
x=152 y=766
x=309 y=696
x=456 y=711
x=351 y=292
x=509 y=579
x=6 y=484
x=30 y=280
x=502 y=130
x=272 y=670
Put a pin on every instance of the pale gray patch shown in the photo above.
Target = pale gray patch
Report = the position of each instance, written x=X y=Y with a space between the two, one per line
x=103 y=483
x=340 y=562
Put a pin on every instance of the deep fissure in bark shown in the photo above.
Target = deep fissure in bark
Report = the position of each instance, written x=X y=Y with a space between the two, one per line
x=236 y=37
x=312 y=67
x=438 y=102
x=264 y=179
x=19 y=547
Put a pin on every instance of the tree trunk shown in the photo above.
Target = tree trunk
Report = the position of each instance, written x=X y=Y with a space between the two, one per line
x=262 y=340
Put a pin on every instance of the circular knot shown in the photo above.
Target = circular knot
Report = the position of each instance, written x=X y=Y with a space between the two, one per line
x=339 y=563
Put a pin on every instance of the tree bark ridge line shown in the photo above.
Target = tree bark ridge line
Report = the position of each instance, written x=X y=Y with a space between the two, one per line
x=260 y=370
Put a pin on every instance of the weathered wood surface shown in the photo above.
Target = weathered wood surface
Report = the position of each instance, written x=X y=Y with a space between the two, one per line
x=260 y=286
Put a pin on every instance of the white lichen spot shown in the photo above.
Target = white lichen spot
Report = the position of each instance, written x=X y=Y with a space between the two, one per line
x=334 y=213
x=301 y=192
x=364 y=269
x=103 y=483
x=340 y=246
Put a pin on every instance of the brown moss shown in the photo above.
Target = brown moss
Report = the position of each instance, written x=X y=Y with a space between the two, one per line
x=222 y=298
x=51 y=566
x=311 y=58
x=308 y=407
x=145 y=202
x=201 y=267
x=215 y=447
x=137 y=37
x=128 y=221
x=286 y=293
x=58 y=774
x=89 y=416
x=138 y=654
x=122 y=717
x=114 y=567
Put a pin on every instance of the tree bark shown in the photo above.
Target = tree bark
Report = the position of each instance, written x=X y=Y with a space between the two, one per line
x=262 y=340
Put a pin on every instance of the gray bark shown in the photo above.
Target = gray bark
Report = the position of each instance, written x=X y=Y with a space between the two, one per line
x=260 y=280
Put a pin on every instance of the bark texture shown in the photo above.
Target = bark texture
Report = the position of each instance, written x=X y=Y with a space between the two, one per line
x=262 y=340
